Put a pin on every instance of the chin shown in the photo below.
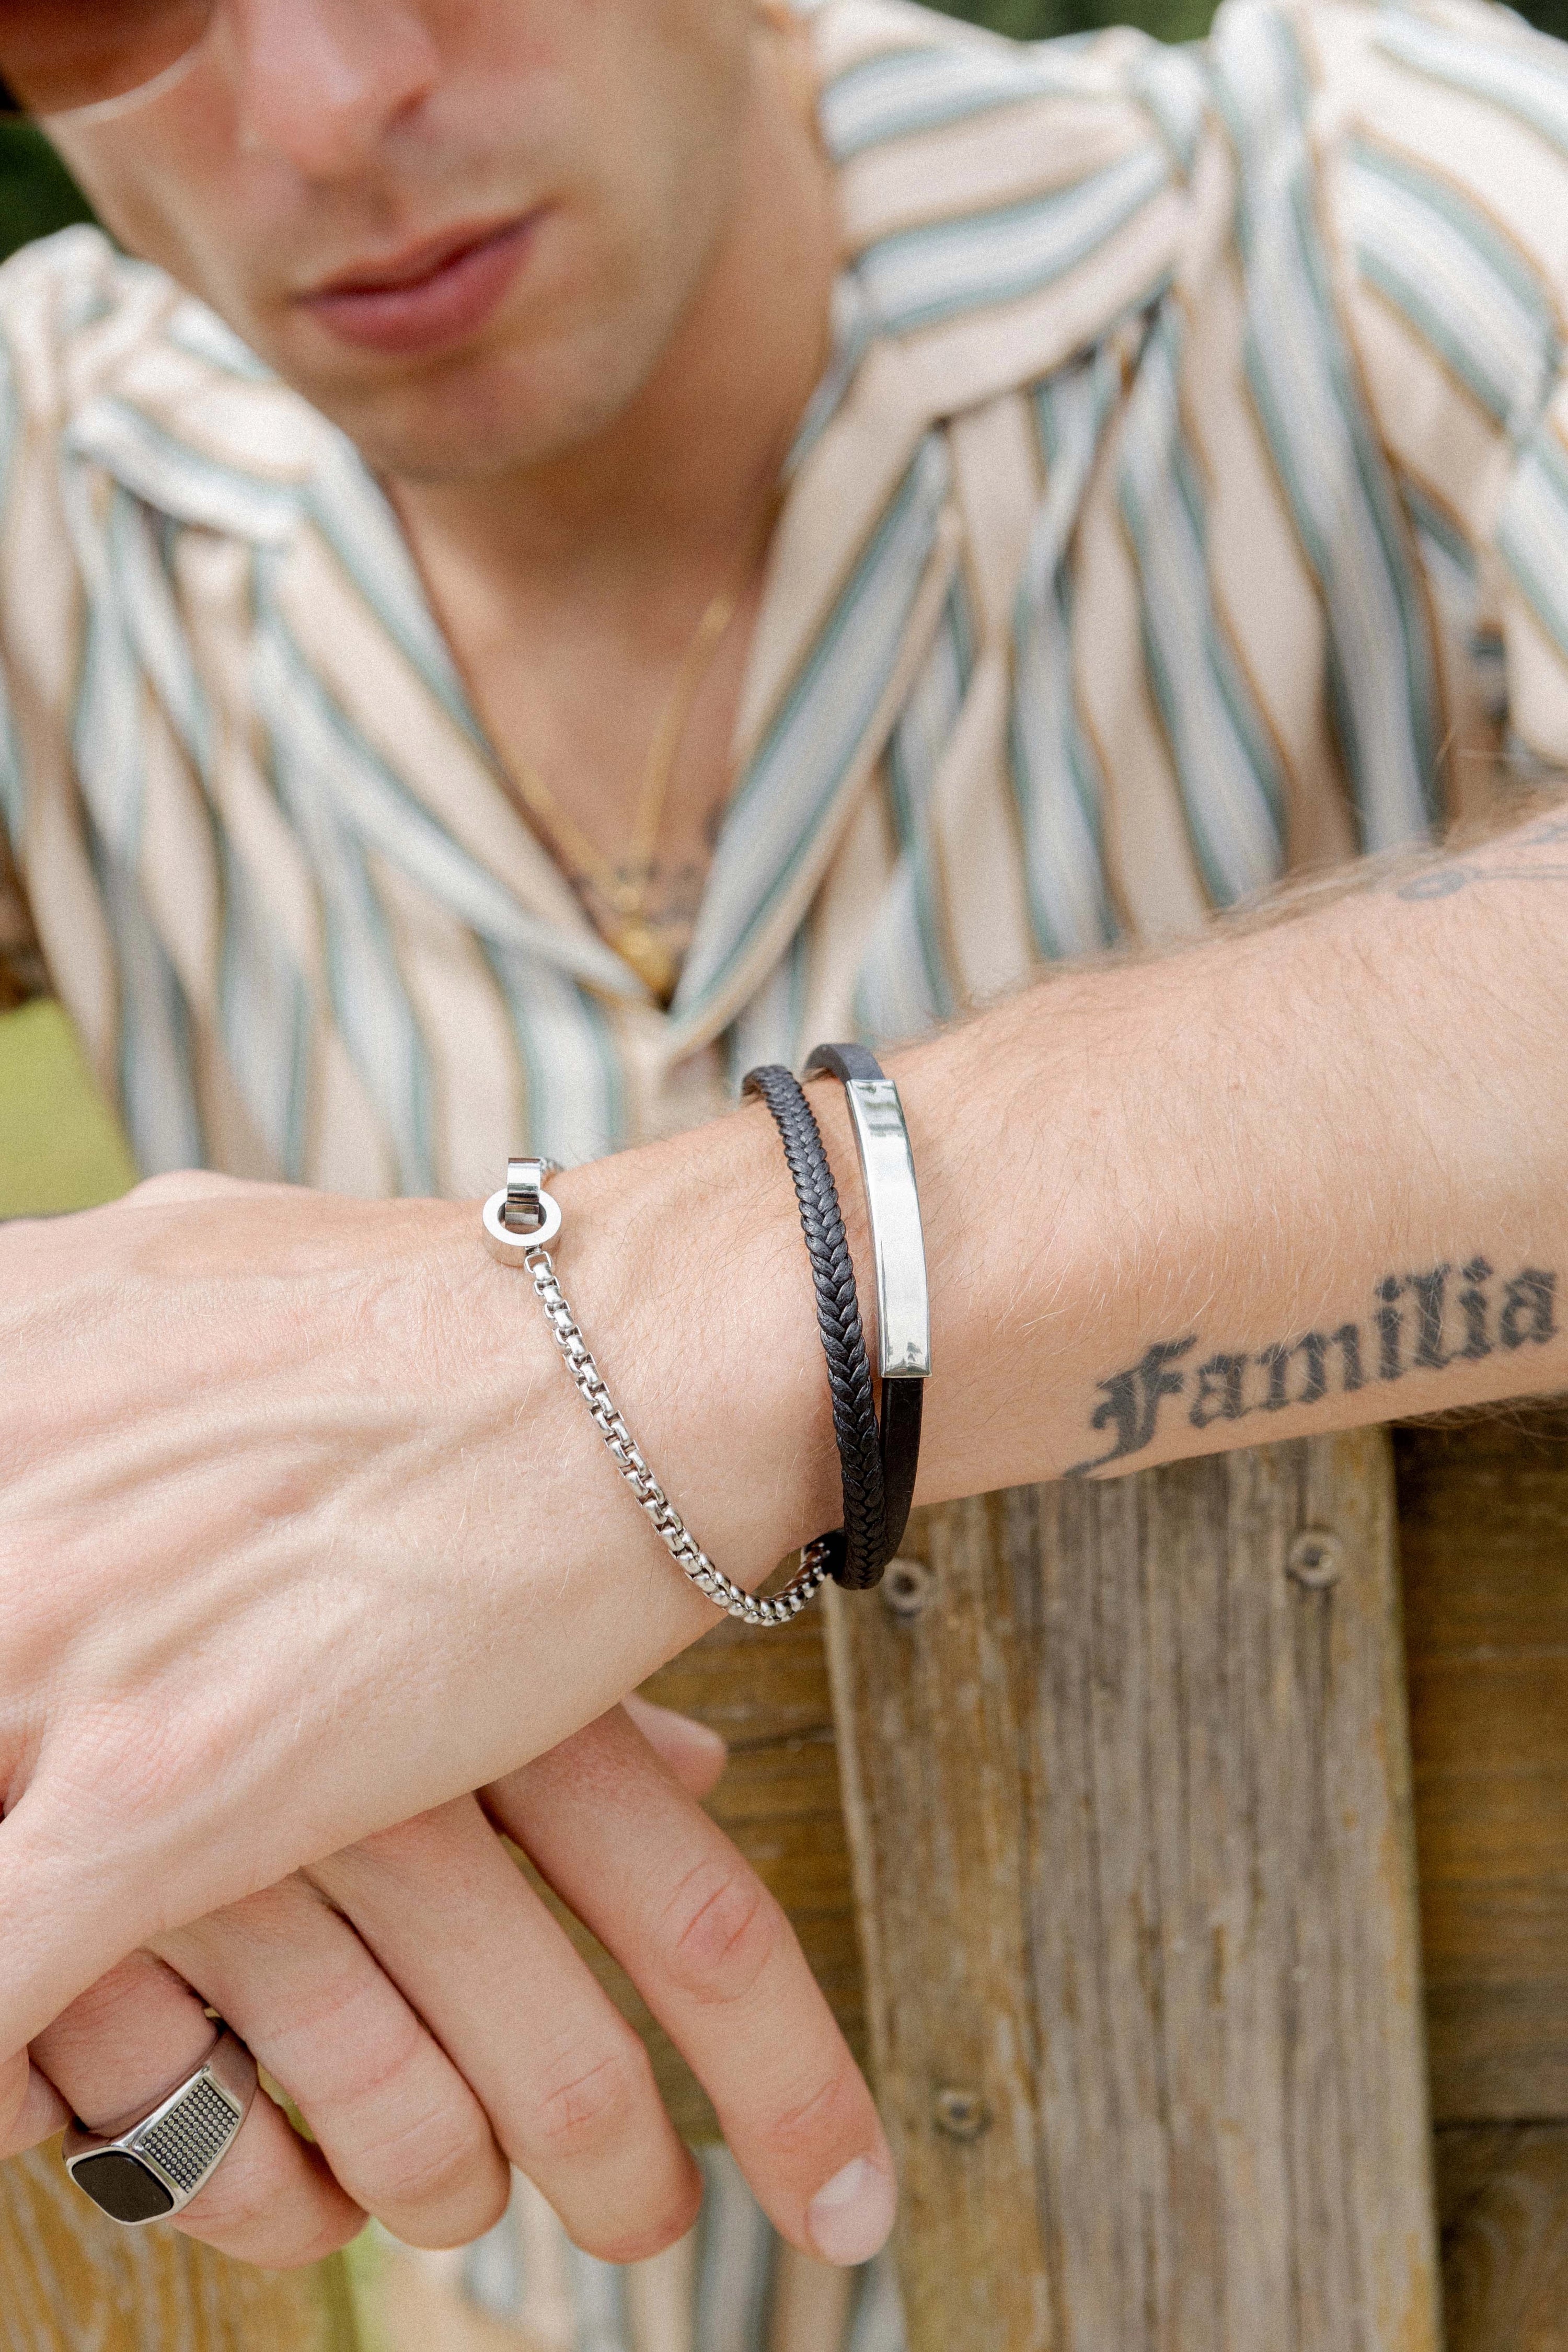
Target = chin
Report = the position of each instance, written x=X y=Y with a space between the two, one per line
x=478 y=433
x=530 y=397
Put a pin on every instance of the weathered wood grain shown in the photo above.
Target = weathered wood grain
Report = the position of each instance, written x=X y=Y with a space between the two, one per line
x=73 y=2280
x=1483 y=1512
x=1128 y=1805
x=1502 y=2203
x=933 y=1712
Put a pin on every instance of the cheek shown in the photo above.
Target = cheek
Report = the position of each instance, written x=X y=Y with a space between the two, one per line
x=174 y=193
x=625 y=115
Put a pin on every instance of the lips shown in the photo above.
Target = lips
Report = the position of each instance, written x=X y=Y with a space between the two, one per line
x=433 y=294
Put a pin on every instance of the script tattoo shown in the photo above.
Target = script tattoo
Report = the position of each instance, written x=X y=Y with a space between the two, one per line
x=1442 y=881
x=1419 y=1322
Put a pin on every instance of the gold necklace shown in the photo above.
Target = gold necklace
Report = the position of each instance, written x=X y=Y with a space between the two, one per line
x=624 y=889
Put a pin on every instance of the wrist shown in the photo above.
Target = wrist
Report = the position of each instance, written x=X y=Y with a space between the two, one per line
x=683 y=1264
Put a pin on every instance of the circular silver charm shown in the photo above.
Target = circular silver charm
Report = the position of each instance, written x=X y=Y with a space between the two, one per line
x=523 y=1216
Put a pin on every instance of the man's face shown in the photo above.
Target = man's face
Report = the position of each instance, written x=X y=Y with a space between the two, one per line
x=464 y=229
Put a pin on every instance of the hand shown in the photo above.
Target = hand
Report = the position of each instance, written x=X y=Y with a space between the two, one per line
x=304 y=1531
x=432 y=2023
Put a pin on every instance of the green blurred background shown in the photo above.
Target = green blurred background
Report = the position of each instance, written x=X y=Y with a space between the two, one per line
x=35 y=192
x=35 y=195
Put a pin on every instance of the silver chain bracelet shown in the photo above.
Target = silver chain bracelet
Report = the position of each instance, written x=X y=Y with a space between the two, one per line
x=520 y=1221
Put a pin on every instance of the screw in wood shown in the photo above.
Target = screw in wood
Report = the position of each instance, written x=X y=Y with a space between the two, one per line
x=1315 y=1559
x=907 y=1586
x=960 y=2112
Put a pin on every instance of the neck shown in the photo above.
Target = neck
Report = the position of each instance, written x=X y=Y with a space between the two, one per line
x=677 y=481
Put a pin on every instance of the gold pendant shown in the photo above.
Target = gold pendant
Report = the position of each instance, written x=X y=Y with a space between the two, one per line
x=647 y=955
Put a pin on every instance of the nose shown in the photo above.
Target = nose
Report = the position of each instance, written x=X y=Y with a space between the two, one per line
x=320 y=83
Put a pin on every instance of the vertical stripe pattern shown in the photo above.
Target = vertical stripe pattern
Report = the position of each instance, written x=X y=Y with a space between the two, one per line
x=1111 y=320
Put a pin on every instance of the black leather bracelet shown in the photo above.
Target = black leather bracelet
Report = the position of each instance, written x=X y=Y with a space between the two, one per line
x=859 y=1550
x=898 y=1244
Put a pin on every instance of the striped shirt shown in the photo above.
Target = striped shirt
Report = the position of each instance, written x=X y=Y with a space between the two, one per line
x=1185 y=504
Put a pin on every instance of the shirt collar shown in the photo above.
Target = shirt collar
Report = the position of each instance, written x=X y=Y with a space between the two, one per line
x=183 y=416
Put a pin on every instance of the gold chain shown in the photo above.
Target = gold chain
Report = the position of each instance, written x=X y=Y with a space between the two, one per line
x=624 y=889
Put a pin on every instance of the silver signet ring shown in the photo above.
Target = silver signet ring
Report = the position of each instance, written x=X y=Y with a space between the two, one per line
x=155 y=2167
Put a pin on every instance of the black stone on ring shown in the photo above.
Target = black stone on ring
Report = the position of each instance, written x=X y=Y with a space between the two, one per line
x=156 y=2166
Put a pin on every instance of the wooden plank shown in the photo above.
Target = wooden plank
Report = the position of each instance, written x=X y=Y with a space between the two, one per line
x=1498 y=2050
x=1483 y=1509
x=1503 y=2202
x=1128 y=1802
x=933 y=1710
x=70 y=2279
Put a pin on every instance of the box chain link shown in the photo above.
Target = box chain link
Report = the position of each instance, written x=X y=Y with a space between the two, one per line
x=673 y=1533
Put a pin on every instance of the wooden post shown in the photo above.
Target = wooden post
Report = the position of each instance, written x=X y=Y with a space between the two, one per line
x=1127 y=1783
x=1483 y=1529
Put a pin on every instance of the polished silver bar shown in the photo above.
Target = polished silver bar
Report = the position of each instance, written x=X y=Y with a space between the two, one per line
x=888 y=1169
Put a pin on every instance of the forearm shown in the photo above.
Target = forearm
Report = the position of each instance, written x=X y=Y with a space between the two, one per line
x=316 y=1493
x=1292 y=1180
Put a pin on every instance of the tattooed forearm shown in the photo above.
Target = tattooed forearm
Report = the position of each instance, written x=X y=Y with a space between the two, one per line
x=1418 y=1322
x=1442 y=881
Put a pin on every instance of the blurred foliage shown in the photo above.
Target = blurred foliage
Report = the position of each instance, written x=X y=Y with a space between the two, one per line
x=36 y=193
x=1169 y=20
x=1043 y=20
x=59 y=1147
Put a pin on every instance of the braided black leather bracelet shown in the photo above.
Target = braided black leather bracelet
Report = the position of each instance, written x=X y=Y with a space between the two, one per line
x=878 y=1463
x=857 y=1552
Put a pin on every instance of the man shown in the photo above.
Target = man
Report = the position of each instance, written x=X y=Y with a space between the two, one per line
x=423 y=736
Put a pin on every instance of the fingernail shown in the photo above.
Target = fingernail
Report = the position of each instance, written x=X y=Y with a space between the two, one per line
x=702 y=1735
x=850 y=2218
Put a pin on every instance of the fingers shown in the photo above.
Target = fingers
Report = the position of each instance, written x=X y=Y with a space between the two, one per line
x=31 y=2109
x=59 y=1931
x=124 y=2046
x=713 y=1956
x=696 y=1755
x=400 y=2127
x=566 y=2082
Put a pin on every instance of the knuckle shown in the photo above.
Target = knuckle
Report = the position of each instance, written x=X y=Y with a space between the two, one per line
x=347 y=2057
x=829 y=2112
x=724 y=1928
x=246 y=2223
x=640 y=2245
x=441 y=2158
x=592 y=2100
x=329 y=2239
x=237 y=2203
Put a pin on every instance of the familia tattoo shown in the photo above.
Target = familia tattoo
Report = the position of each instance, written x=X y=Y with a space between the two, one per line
x=1422 y=1322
